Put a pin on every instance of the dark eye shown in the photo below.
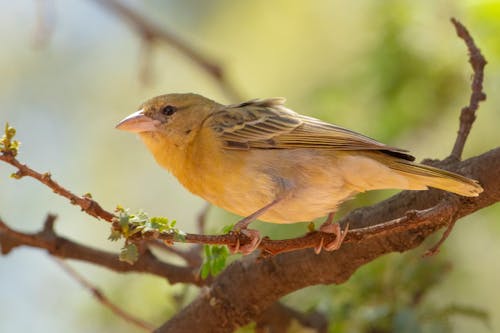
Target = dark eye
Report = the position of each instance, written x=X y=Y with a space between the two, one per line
x=168 y=110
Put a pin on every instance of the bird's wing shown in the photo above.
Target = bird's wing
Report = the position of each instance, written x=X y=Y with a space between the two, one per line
x=267 y=124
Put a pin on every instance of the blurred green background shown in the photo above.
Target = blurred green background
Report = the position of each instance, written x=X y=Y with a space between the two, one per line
x=393 y=70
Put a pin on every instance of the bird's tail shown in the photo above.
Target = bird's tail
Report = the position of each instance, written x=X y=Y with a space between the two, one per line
x=420 y=175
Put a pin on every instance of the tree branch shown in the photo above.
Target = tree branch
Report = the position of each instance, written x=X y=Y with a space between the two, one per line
x=101 y=298
x=230 y=302
x=63 y=248
x=152 y=33
x=85 y=202
x=468 y=113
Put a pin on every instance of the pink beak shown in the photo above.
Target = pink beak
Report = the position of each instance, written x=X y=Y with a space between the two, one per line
x=137 y=122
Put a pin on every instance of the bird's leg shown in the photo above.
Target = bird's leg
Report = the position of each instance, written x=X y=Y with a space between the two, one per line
x=254 y=235
x=332 y=228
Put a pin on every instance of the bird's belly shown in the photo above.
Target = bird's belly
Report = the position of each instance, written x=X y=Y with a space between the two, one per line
x=307 y=187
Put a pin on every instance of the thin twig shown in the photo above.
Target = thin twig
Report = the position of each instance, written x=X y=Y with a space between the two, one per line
x=435 y=248
x=192 y=256
x=312 y=239
x=194 y=260
x=85 y=202
x=152 y=33
x=44 y=23
x=468 y=113
x=145 y=59
x=101 y=298
x=201 y=221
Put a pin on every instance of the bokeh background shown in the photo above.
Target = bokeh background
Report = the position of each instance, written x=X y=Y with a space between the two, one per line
x=393 y=70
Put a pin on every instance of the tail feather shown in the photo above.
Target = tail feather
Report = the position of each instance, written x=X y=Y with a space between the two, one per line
x=424 y=175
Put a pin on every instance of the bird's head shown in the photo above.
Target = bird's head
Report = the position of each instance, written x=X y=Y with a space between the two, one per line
x=169 y=119
x=167 y=124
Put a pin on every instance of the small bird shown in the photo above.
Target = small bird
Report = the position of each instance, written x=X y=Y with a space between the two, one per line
x=261 y=160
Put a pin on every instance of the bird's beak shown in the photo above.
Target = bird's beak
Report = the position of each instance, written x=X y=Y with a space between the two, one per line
x=137 y=122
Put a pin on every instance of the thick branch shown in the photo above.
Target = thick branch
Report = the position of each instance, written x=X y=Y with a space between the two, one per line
x=230 y=302
x=67 y=249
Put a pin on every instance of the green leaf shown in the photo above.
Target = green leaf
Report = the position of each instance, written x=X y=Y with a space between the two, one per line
x=129 y=254
x=214 y=261
x=115 y=235
x=228 y=228
x=140 y=218
x=123 y=220
x=205 y=270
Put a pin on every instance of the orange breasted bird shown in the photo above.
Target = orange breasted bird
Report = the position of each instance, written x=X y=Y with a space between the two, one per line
x=261 y=160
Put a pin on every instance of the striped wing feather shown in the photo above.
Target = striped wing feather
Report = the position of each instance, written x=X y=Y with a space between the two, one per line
x=267 y=124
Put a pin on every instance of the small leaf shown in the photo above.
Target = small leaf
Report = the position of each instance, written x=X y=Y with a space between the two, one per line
x=114 y=235
x=129 y=254
x=228 y=228
x=208 y=251
x=205 y=270
x=16 y=175
x=214 y=261
x=123 y=220
x=180 y=236
x=119 y=209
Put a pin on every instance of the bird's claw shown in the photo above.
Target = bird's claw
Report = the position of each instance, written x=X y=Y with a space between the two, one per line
x=331 y=228
x=255 y=240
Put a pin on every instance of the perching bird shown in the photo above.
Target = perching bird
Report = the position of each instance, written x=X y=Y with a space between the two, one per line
x=263 y=161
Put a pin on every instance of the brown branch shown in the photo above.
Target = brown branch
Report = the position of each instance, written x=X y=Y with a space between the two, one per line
x=85 y=202
x=191 y=258
x=152 y=33
x=435 y=248
x=468 y=113
x=311 y=239
x=230 y=302
x=101 y=298
x=67 y=249
x=202 y=218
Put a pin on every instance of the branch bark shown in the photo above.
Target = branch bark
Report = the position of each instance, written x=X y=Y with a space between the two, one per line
x=64 y=248
x=231 y=301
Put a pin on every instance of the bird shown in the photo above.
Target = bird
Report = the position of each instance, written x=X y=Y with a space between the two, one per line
x=261 y=160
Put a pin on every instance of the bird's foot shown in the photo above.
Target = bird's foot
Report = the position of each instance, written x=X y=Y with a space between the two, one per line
x=255 y=240
x=331 y=228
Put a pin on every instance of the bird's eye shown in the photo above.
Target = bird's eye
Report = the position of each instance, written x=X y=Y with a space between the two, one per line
x=168 y=110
